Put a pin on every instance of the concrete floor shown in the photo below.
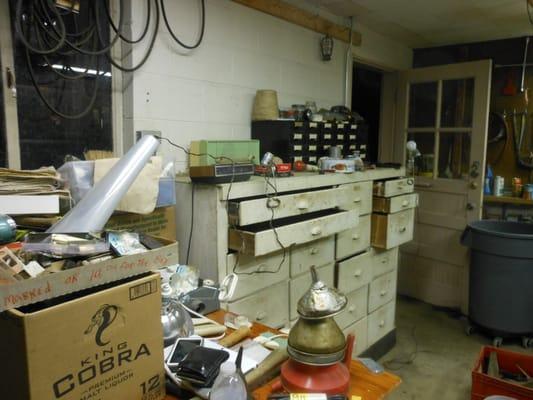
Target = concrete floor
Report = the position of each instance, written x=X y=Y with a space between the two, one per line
x=445 y=356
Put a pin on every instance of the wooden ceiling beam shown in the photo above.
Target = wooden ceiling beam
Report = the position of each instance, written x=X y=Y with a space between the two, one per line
x=295 y=15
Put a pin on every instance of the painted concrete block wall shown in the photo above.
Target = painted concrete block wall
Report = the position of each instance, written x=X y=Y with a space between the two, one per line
x=207 y=93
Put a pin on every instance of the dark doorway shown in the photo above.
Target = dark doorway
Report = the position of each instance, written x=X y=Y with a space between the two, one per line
x=366 y=100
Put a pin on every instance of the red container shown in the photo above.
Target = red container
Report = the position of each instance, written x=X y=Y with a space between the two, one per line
x=484 y=385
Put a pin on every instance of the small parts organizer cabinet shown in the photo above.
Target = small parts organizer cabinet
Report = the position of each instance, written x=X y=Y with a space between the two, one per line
x=321 y=220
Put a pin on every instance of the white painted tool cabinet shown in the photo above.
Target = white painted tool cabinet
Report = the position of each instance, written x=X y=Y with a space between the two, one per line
x=321 y=220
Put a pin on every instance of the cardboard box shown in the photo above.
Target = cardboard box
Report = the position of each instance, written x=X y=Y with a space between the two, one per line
x=50 y=285
x=161 y=223
x=87 y=347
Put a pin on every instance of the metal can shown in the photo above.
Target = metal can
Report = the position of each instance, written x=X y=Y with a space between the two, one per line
x=499 y=182
x=528 y=192
x=517 y=187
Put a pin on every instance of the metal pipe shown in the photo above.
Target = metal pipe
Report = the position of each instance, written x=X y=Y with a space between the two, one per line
x=524 y=66
x=95 y=208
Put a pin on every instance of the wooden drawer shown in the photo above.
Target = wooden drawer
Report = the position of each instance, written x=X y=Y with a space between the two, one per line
x=269 y=306
x=260 y=239
x=318 y=253
x=394 y=204
x=382 y=290
x=384 y=261
x=355 y=309
x=359 y=197
x=381 y=322
x=393 y=187
x=299 y=285
x=249 y=284
x=392 y=230
x=252 y=211
x=353 y=240
x=354 y=272
x=360 y=332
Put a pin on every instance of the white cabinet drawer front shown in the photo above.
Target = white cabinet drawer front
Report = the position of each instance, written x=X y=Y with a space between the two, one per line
x=382 y=290
x=249 y=284
x=381 y=322
x=247 y=212
x=360 y=331
x=317 y=253
x=384 y=261
x=354 y=272
x=392 y=230
x=395 y=204
x=259 y=240
x=269 y=306
x=355 y=309
x=358 y=197
x=394 y=187
x=354 y=240
x=299 y=285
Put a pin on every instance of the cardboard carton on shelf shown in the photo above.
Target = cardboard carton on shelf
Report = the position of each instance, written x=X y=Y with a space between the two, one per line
x=49 y=285
x=161 y=222
x=87 y=346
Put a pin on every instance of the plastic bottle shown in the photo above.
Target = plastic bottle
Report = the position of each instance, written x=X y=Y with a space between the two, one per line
x=228 y=385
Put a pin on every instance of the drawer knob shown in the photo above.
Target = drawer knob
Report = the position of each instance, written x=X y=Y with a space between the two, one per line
x=405 y=203
x=260 y=315
x=302 y=205
x=314 y=250
x=385 y=261
x=403 y=229
x=381 y=323
x=351 y=309
x=355 y=236
x=383 y=293
x=315 y=231
x=357 y=200
x=358 y=273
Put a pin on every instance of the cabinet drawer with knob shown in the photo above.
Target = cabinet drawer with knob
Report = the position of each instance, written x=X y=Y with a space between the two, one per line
x=251 y=211
x=392 y=230
x=381 y=322
x=317 y=253
x=269 y=306
x=354 y=272
x=259 y=239
x=355 y=308
x=391 y=205
x=299 y=285
x=359 y=197
x=394 y=187
x=353 y=240
x=384 y=261
x=382 y=290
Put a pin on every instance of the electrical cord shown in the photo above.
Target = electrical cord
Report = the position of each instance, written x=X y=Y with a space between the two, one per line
x=176 y=39
x=192 y=225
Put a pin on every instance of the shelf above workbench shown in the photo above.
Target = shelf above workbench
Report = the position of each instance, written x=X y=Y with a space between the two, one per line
x=507 y=200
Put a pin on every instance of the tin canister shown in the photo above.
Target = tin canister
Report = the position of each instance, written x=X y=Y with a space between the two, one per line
x=499 y=182
x=528 y=192
x=517 y=187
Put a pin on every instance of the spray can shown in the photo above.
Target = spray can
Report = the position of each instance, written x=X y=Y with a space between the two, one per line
x=499 y=182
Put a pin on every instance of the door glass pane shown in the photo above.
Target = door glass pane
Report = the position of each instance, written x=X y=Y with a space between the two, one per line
x=454 y=155
x=422 y=104
x=457 y=103
x=45 y=137
x=425 y=143
x=3 y=142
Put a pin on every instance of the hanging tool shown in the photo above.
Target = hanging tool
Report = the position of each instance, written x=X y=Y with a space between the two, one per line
x=524 y=65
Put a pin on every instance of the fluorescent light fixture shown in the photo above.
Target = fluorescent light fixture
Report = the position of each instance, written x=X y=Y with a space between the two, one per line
x=78 y=69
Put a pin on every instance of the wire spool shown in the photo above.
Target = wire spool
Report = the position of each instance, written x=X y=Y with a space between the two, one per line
x=265 y=106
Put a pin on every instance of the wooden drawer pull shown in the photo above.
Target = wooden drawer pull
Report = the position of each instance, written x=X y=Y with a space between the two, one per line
x=351 y=309
x=405 y=203
x=381 y=323
x=357 y=200
x=260 y=315
x=315 y=231
x=383 y=293
x=358 y=273
x=385 y=261
x=302 y=205
x=313 y=250
x=403 y=229
x=355 y=236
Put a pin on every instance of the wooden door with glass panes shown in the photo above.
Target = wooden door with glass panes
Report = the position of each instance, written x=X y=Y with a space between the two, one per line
x=444 y=109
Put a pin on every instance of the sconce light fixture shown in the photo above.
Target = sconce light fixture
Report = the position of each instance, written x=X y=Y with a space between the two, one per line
x=326 y=47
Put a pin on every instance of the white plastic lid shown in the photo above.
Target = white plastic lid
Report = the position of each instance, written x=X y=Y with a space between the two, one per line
x=228 y=368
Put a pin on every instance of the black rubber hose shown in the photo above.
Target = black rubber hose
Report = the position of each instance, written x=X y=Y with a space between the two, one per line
x=124 y=38
x=202 y=29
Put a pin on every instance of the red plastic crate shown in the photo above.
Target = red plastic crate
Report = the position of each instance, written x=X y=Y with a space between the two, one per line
x=484 y=385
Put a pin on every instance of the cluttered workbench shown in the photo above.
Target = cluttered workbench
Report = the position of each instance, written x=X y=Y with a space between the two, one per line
x=363 y=383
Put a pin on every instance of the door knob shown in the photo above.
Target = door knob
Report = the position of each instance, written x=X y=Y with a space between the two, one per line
x=470 y=206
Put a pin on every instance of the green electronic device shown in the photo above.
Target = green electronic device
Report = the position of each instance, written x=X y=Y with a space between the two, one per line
x=224 y=151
